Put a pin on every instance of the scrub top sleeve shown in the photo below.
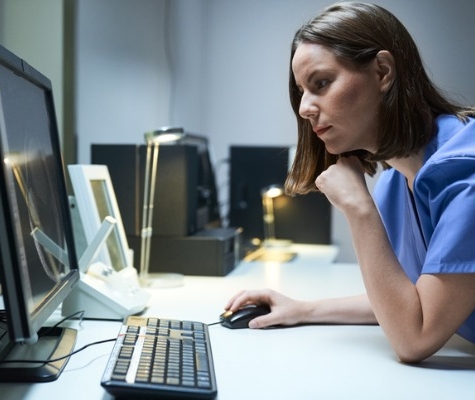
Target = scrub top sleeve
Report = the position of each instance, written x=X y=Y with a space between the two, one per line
x=445 y=199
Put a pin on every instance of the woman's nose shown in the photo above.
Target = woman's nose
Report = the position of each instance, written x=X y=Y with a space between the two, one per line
x=308 y=108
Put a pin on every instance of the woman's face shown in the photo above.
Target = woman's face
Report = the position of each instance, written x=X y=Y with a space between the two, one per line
x=340 y=101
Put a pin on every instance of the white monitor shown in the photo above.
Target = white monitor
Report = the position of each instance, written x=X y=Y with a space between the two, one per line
x=96 y=200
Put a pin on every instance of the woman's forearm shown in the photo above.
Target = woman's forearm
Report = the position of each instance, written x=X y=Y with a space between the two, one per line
x=345 y=310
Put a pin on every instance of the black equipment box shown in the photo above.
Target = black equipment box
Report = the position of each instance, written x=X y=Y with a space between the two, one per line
x=211 y=252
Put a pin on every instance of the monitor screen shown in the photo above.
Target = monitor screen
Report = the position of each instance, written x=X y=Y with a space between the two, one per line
x=207 y=193
x=96 y=200
x=36 y=275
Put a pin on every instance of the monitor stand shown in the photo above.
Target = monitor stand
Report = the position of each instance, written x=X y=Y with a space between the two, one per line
x=52 y=343
x=101 y=292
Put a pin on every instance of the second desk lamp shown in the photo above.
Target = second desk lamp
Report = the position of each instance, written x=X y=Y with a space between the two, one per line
x=272 y=249
x=269 y=194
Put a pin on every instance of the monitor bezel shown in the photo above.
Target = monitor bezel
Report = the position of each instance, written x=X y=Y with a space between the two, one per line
x=22 y=324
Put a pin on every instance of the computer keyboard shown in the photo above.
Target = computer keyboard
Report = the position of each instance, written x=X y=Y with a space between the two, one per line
x=155 y=357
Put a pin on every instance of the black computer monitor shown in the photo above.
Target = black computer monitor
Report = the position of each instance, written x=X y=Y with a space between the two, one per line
x=301 y=219
x=38 y=265
x=207 y=192
x=184 y=165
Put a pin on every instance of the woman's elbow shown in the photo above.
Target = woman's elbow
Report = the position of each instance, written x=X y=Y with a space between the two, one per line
x=414 y=353
x=410 y=357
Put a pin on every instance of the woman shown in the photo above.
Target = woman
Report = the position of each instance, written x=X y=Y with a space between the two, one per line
x=362 y=97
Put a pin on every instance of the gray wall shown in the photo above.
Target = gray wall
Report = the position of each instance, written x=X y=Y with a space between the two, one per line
x=33 y=30
x=122 y=71
x=218 y=67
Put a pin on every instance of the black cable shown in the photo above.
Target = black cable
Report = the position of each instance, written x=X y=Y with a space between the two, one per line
x=81 y=313
x=46 y=330
x=73 y=352
x=58 y=358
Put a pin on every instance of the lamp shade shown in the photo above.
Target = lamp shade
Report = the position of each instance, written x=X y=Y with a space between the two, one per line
x=164 y=135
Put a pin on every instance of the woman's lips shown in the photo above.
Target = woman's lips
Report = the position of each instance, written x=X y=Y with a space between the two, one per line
x=320 y=130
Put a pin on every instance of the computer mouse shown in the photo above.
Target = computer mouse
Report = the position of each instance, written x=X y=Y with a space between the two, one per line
x=240 y=318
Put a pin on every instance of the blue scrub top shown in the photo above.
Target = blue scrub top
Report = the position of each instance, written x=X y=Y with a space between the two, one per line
x=433 y=231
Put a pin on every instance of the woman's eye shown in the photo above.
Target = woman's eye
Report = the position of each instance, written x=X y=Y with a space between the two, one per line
x=322 y=83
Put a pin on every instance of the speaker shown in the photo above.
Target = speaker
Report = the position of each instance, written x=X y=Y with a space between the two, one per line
x=301 y=219
x=175 y=207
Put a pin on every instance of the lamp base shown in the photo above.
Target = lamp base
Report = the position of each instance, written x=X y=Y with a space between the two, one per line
x=271 y=254
x=276 y=243
x=162 y=280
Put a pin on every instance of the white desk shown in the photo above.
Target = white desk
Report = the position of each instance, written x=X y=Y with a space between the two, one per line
x=307 y=362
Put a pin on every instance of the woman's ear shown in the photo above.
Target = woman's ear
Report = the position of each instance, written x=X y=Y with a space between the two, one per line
x=386 y=69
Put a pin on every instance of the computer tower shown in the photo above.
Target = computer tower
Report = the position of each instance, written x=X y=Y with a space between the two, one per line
x=301 y=219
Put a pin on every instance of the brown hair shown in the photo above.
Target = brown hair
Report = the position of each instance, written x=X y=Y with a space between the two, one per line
x=356 y=32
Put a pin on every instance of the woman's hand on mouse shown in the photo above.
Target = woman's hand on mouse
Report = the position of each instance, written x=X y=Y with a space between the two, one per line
x=284 y=310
